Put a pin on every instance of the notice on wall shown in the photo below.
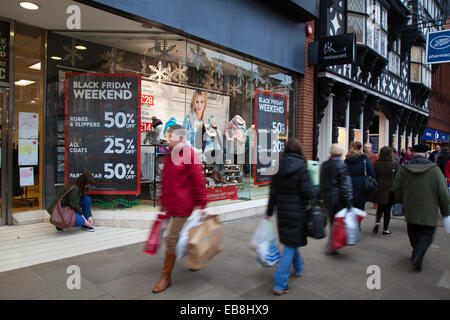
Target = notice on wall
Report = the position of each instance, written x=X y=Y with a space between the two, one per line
x=28 y=125
x=270 y=124
x=374 y=141
x=28 y=152
x=102 y=131
x=26 y=176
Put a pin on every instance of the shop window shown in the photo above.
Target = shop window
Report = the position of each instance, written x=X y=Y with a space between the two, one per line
x=394 y=58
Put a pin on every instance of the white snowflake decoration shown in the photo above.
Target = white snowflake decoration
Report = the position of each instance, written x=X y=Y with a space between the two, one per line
x=164 y=51
x=197 y=57
x=160 y=73
x=240 y=75
x=208 y=82
x=143 y=67
x=179 y=73
x=234 y=88
x=112 y=60
x=218 y=68
x=72 y=54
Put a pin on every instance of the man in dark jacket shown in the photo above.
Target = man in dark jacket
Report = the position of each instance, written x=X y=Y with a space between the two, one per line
x=435 y=154
x=420 y=186
x=335 y=187
x=443 y=159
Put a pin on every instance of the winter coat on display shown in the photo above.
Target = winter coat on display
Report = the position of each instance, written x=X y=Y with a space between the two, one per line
x=383 y=171
x=355 y=166
x=183 y=185
x=335 y=186
x=420 y=186
x=290 y=191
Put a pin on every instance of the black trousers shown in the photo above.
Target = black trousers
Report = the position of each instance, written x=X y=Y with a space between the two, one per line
x=420 y=238
x=384 y=210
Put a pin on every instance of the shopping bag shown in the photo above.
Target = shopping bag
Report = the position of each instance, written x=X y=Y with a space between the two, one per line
x=338 y=233
x=446 y=221
x=155 y=238
x=397 y=210
x=352 y=221
x=316 y=223
x=180 y=248
x=205 y=242
x=264 y=245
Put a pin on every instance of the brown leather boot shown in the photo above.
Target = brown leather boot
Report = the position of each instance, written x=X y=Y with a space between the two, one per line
x=166 y=280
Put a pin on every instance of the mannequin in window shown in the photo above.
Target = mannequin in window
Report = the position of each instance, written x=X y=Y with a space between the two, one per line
x=235 y=138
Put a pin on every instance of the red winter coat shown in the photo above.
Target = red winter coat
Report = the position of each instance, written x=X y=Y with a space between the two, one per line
x=183 y=185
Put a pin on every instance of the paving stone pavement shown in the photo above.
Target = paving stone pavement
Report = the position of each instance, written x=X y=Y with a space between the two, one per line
x=126 y=273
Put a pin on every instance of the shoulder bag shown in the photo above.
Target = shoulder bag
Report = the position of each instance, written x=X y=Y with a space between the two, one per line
x=63 y=217
x=369 y=184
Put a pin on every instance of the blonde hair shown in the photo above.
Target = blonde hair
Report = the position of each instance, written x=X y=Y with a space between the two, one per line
x=194 y=96
x=336 y=150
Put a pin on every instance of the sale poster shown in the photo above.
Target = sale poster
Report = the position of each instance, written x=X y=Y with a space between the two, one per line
x=102 y=119
x=271 y=134
x=26 y=176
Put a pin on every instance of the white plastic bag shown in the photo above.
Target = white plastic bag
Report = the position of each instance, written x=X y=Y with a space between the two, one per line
x=264 y=245
x=447 y=223
x=352 y=219
x=180 y=248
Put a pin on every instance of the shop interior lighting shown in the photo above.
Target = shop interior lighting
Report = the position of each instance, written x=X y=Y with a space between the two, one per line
x=36 y=66
x=80 y=47
x=29 y=5
x=56 y=58
x=24 y=83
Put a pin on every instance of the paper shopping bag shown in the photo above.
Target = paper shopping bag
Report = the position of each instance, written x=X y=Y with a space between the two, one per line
x=205 y=242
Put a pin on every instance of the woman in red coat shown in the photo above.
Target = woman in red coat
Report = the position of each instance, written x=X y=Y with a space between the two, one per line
x=183 y=188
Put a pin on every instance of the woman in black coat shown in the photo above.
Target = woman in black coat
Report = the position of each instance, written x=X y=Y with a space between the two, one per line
x=355 y=162
x=385 y=168
x=335 y=187
x=290 y=192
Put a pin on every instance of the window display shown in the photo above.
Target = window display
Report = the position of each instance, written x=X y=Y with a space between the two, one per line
x=210 y=92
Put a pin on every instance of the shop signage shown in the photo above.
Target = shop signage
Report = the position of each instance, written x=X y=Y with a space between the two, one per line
x=270 y=124
x=102 y=130
x=435 y=135
x=438 y=46
x=4 y=53
x=337 y=50
x=374 y=140
x=223 y=193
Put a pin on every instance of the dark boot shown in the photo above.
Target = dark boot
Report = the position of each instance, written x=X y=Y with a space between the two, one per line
x=166 y=280
x=215 y=176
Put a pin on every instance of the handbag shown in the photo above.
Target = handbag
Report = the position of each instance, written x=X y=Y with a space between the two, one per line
x=63 y=217
x=397 y=210
x=205 y=242
x=316 y=223
x=155 y=238
x=369 y=184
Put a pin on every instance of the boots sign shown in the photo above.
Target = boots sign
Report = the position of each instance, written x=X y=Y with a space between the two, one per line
x=4 y=53
x=102 y=130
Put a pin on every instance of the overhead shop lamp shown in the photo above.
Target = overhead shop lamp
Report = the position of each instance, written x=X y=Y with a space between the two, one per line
x=29 y=5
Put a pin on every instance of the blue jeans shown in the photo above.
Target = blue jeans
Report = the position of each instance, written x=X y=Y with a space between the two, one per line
x=85 y=204
x=290 y=256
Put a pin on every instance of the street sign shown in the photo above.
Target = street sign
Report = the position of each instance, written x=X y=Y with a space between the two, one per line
x=438 y=47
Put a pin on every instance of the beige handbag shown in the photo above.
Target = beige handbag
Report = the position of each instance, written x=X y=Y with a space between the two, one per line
x=205 y=242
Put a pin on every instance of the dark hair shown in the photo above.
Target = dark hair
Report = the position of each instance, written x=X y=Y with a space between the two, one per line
x=386 y=154
x=82 y=181
x=174 y=127
x=294 y=146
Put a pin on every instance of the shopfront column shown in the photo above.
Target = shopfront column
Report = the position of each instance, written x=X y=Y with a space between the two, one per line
x=340 y=105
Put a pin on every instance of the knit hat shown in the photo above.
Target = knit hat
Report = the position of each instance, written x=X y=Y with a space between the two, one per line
x=155 y=122
x=172 y=121
x=420 y=148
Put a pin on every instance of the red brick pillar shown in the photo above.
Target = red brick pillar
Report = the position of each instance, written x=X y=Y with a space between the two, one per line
x=305 y=102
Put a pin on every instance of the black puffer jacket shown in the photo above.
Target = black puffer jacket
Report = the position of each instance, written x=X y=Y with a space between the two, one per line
x=335 y=186
x=290 y=192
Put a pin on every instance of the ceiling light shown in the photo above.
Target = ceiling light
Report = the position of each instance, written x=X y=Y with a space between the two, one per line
x=23 y=83
x=56 y=58
x=29 y=5
x=36 y=66
x=80 y=47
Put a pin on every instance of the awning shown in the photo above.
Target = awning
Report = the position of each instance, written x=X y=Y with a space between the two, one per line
x=435 y=135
